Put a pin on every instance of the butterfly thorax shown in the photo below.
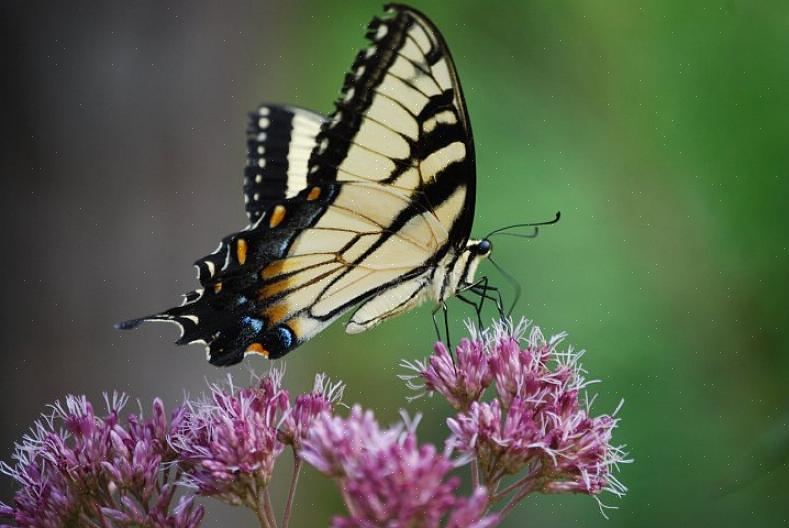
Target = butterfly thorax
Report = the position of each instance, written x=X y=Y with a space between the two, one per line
x=457 y=270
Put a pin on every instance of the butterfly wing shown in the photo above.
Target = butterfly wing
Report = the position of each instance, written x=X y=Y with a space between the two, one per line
x=280 y=139
x=308 y=260
x=401 y=121
x=390 y=191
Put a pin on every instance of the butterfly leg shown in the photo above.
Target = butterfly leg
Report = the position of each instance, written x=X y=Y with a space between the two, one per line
x=488 y=288
x=435 y=324
x=446 y=325
x=477 y=308
x=485 y=292
x=439 y=337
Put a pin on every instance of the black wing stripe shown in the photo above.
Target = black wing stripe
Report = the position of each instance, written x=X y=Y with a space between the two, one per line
x=279 y=142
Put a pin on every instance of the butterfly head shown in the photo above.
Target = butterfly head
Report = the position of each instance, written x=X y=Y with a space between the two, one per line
x=482 y=248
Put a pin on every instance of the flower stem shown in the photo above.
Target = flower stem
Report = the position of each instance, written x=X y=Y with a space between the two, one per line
x=292 y=491
x=269 y=509
x=262 y=518
x=475 y=473
x=512 y=487
x=525 y=490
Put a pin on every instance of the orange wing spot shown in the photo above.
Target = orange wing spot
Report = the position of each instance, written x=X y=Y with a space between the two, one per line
x=257 y=348
x=315 y=192
x=277 y=216
x=272 y=270
x=241 y=251
x=275 y=314
x=269 y=290
x=218 y=287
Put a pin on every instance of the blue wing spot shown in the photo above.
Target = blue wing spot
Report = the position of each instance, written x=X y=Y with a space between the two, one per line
x=256 y=324
x=286 y=336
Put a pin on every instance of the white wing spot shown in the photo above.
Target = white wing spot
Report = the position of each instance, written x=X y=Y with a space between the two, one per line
x=262 y=162
x=258 y=178
x=256 y=197
x=369 y=52
x=264 y=111
x=263 y=122
x=336 y=119
x=348 y=94
x=262 y=136
x=261 y=149
x=324 y=145
x=360 y=71
x=381 y=33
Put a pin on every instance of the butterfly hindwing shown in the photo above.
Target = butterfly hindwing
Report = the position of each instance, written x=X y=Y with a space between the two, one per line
x=390 y=302
x=228 y=314
x=307 y=261
x=279 y=142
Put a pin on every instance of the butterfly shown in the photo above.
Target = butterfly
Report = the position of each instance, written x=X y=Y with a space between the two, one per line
x=369 y=208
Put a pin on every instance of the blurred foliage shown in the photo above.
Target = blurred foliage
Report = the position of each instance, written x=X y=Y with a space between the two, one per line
x=659 y=131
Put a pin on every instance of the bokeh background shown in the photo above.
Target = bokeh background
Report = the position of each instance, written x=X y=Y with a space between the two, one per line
x=660 y=131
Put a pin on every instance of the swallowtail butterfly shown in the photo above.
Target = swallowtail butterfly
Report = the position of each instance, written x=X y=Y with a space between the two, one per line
x=369 y=208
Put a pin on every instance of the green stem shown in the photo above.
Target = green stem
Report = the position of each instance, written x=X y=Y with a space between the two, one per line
x=515 y=500
x=262 y=520
x=475 y=474
x=268 y=508
x=255 y=502
x=292 y=491
x=509 y=489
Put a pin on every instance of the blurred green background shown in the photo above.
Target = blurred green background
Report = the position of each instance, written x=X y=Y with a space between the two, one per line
x=659 y=130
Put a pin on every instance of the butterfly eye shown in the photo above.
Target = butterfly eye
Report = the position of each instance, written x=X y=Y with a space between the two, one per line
x=484 y=247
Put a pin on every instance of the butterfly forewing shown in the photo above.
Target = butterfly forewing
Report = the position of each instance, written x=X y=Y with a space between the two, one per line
x=401 y=118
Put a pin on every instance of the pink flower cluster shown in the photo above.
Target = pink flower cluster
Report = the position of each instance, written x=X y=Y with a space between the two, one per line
x=229 y=442
x=535 y=426
x=387 y=478
x=78 y=469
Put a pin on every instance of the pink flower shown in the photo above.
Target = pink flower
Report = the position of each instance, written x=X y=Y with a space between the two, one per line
x=308 y=406
x=460 y=381
x=537 y=424
x=386 y=478
x=334 y=443
x=470 y=513
x=227 y=444
x=76 y=468
x=502 y=444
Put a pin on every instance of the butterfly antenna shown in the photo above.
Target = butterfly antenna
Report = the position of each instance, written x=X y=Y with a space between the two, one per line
x=533 y=234
x=535 y=225
x=512 y=280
